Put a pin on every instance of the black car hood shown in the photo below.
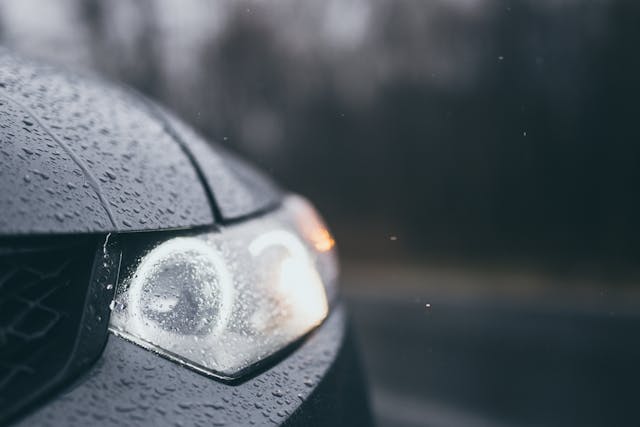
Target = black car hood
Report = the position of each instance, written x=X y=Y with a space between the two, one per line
x=81 y=155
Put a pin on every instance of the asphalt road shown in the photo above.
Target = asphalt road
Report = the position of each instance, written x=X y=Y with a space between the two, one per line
x=473 y=349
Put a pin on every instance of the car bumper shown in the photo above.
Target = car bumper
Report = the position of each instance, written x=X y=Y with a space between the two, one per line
x=318 y=383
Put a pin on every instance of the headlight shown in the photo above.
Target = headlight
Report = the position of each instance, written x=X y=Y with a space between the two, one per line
x=221 y=301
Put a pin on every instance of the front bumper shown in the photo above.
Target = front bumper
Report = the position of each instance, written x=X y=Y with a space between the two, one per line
x=318 y=383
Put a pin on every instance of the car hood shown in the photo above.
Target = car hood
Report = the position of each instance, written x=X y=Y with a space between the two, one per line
x=78 y=154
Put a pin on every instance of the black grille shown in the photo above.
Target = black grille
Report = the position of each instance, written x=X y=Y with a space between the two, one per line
x=43 y=290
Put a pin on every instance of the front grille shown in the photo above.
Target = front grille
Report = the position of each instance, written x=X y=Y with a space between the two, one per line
x=43 y=290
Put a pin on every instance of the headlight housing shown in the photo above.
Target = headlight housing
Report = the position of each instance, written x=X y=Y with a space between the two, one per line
x=222 y=301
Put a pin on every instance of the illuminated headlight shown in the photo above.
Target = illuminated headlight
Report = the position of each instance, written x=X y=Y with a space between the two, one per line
x=221 y=301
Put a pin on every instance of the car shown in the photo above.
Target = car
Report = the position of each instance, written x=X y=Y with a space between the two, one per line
x=150 y=277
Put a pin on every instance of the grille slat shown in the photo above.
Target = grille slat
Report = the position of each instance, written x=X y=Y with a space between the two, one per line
x=42 y=299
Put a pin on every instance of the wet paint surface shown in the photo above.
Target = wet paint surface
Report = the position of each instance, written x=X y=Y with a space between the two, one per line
x=80 y=155
x=132 y=386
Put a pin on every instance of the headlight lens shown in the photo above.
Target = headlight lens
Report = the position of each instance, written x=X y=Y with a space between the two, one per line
x=222 y=301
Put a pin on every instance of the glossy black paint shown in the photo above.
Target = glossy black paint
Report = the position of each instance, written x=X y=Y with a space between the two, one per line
x=238 y=189
x=317 y=384
x=79 y=155
x=82 y=156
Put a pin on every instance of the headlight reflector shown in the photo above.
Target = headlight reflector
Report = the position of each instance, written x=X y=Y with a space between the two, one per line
x=224 y=300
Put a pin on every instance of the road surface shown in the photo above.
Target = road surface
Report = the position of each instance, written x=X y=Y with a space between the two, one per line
x=477 y=349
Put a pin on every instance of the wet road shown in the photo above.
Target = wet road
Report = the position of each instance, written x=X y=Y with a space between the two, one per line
x=448 y=351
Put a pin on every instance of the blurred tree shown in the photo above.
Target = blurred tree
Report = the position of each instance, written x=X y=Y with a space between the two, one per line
x=466 y=128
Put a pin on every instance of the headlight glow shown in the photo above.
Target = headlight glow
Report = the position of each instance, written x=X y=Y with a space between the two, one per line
x=221 y=301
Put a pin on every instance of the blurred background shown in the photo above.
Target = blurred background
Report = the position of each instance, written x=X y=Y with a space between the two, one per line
x=477 y=160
